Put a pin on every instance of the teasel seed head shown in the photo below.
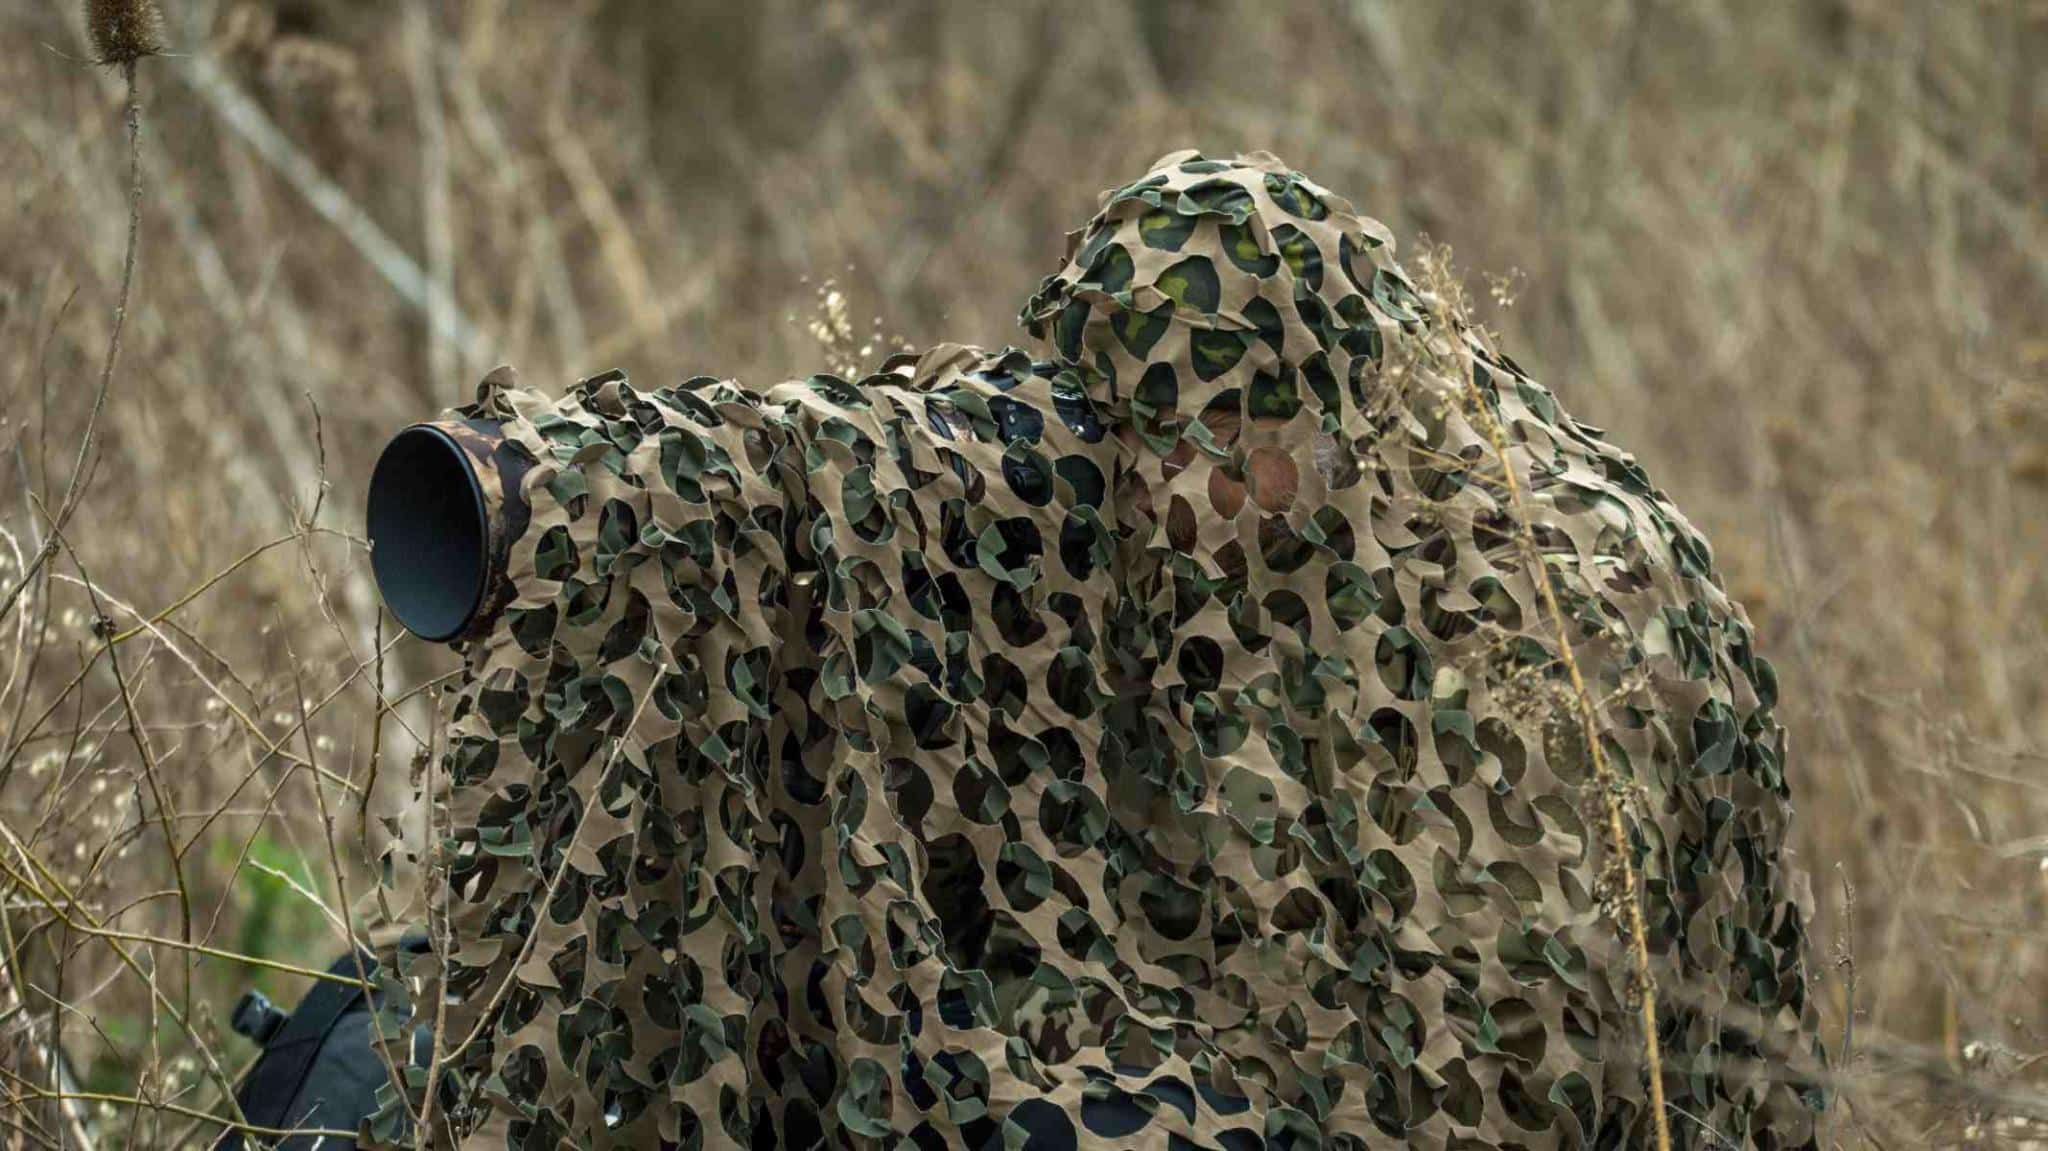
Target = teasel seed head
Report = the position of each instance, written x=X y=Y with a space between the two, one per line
x=124 y=31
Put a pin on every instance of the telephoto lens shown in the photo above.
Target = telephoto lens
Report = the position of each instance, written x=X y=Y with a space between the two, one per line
x=444 y=508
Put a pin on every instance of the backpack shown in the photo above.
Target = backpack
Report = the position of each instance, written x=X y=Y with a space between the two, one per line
x=320 y=1066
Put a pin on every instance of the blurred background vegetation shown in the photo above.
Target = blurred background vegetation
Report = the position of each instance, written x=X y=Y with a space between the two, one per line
x=1794 y=255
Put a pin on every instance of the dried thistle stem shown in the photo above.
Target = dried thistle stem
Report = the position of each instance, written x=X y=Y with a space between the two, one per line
x=1612 y=790
x=80 y=476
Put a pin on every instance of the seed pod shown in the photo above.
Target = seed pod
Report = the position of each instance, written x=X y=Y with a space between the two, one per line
x=124 y=31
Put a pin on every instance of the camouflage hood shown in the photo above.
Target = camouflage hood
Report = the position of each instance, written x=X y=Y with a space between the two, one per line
x=1150 y=738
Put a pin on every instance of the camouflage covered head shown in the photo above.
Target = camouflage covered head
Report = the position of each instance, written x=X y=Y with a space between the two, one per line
x=1151 y=740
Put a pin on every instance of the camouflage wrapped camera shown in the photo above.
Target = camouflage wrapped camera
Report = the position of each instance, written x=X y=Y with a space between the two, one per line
x=1150 y=738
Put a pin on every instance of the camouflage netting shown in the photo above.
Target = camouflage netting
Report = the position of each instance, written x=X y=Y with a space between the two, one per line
x=1148 y=739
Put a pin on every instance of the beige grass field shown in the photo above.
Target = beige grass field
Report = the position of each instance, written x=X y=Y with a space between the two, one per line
x=1794 y=255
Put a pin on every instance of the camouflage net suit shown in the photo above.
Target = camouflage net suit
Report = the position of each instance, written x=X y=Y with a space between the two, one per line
x=1151 y=739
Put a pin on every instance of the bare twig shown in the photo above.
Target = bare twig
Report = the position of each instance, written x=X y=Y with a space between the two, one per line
x=137 y=1101
x=58 y=897
x=81 y=473
x=48 y=1052
x=488 y=1016
x=443 y=369
x=149 y=770
x=346 y=909
x=85 y=925
x=248 y=121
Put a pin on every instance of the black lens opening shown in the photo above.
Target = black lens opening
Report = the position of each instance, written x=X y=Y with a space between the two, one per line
x=428 y=533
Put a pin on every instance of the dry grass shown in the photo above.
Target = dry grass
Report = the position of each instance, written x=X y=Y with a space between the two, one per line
x=1795 y=256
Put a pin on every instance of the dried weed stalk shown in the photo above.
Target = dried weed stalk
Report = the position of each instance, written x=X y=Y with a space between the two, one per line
x=123 y=33
x=1446 y=350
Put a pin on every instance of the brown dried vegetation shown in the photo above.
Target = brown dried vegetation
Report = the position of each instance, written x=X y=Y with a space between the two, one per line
x=1794 y=256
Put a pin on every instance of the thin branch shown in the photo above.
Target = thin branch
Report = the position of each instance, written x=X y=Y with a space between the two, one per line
x=443 y=370
x=86 y=926
x=74 y=489
x=489 y=1014
x=355 y=949
x=114 y=941
x=399 y=270
x=150 y=771
x=188 y=1112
